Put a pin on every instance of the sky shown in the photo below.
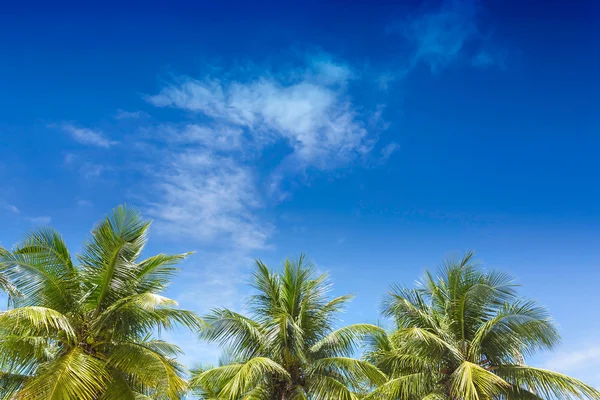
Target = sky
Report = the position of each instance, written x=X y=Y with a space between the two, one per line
x=376 y=137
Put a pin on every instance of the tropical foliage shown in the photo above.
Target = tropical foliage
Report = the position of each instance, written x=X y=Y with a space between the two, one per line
x=464 y=335
x=288 y=348
x=89 y=330
x=85 y=331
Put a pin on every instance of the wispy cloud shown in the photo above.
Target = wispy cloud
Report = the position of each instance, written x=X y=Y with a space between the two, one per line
x=209 y=188
x=209 y=197
x=312 y=114
x=90 y=170
x=440 y=37
x=574 y=360
x=88 y=136
x=211 y=279
x=41 y=220
x=582 y=363
x=388 y=150
x=12 y=208
x=122 y=114
x=84 y=203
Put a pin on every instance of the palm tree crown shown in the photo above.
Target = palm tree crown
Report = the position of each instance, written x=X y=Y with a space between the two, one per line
x=464 y=335
x=288 y=348
x=85 y=331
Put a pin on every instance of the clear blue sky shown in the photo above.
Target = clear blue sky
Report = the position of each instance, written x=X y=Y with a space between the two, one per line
x=378 y=138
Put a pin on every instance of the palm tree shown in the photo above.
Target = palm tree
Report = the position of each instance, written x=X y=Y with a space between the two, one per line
x=464 y=335
x=287 y=348
x=86 y=331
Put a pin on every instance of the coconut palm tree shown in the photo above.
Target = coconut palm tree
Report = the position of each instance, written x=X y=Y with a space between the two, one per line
x=464 y=335
x=86 y=331
x=287 y=348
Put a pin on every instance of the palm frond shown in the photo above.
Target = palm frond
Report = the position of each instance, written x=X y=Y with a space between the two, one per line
x=148 y=368
x=345 y=340
x=250 y=375
x=109 y=257
x=545 y=383
x=75 y=375
x=35 y=321
x=472 y=382
x=354 y=371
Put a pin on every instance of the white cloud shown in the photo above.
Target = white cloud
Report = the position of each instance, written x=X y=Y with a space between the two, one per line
x=217 y=137
x=89 y=170
x=84 y=203
x=569 y=361
x=12 y=208
x=313 y=114
x=69 y=158
x=88 y=136
x=122 y=114
x=440 y=37
x=582 y=363
x=209 y=187
x=208 y=197
x=42 y=220
x=388 y=150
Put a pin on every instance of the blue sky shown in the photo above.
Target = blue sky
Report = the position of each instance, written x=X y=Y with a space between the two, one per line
x=378 y=138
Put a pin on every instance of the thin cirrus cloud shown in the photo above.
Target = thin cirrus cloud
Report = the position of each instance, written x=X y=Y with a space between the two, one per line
x=440 y=37
x=12 y=208
x=123 y=114
x=88 y=136
x=209 y=197
x=41 y=220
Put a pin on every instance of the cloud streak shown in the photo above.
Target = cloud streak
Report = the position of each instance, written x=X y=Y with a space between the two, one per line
x=88 y=136
x=208 y=197
x=443 y=36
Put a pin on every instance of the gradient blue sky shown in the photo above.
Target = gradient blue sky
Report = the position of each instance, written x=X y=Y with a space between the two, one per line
x=378 y=138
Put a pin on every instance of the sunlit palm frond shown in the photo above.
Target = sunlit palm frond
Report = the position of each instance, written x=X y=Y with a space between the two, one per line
x=328 y=388
x=148 y=368
x=250 y=375
x=415 y=385
x=472 y=382
x=351 y=369
x=546 y=383
x=109 y=258
x=35 y=321
x=240 y=334
x=74 y=375
x=155 y=273
x=345 y=340
x=38 y=282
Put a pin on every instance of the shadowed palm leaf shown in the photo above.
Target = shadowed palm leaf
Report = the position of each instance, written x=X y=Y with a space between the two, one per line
x=464 y=335
x=288 y=348
x=83 y=331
